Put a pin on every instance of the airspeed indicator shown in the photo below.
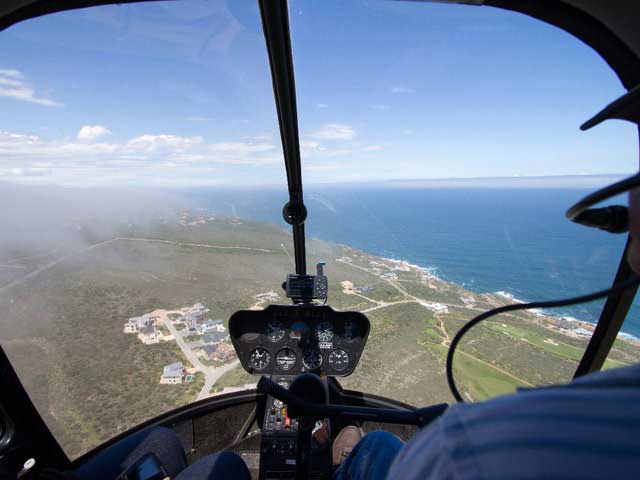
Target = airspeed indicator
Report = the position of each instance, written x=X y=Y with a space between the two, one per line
x=259 y=358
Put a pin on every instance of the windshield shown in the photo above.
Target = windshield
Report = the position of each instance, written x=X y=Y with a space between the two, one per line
x=141 y=158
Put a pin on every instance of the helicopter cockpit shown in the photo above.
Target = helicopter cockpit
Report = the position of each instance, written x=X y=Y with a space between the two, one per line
x=273 y=383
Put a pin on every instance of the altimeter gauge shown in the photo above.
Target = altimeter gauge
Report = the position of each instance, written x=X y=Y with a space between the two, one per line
x=339 y=360
x=324 y=332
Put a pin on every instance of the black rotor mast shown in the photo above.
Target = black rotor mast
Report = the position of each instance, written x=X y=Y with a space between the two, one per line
x=275 y=24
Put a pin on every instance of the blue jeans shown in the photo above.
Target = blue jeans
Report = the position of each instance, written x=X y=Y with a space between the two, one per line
x=114 y=460
x=218 y=466
x=371 y=458
x=164 y=443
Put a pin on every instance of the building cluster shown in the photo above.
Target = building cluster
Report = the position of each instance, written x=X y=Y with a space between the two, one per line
x=468 y=300
x=349 y=288
x=398 y=265
x=145 y=327
x=197 y=323
x=206 y=338
x=187 y=220
x=218 y=352
x=435 y=307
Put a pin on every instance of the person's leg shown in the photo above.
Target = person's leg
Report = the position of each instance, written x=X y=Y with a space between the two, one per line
x=371 y=457
x=218 y=466
x=114 y=460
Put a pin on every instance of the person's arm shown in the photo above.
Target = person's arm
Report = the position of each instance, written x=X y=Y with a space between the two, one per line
x=428 y=455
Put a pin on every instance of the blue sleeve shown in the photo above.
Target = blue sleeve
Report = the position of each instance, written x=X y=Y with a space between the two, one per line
x=428 y=455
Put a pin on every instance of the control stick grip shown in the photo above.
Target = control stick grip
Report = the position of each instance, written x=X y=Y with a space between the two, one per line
x=269 y=387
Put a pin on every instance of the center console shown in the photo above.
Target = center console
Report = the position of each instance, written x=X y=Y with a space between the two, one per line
x=279 y=438
x=282 y=436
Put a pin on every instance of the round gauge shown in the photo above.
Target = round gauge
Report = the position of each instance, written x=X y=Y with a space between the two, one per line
x=286 y=359
x=311 y=359
x=259 y=358
x=249 y=337
x=350 y=331
x=299 y=330
x=274 y=331
x=324 y=331
x=339 y=360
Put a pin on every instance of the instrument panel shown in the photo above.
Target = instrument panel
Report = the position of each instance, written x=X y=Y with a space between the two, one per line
x=292 y=339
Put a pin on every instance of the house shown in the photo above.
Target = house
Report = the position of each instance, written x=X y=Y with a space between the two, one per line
x=225 y=353
x=135 y=324
x=148 y=335
x=221 y=352
x=172 y=374
x=216 y=325
x=194 y=315
x=364 y=289
x=210 y=326
x=435 y=307
x=209 y=352
x=347 y=287
x=214 y=337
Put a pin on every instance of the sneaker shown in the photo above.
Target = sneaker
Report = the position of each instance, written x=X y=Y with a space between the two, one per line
x=345 y=442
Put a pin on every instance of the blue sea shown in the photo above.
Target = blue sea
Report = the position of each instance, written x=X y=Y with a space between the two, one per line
x=516 y=241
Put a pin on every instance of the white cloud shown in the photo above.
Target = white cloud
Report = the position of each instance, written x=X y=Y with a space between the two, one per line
x=240 y=147
x=399 y=89
x=148 y=151
x=92 y=132
x=13 y=86
x=379 y=106
x=10 y=73
x=310 y=144
x=322 y=105
x=197 y=118
x=258 y=138
x=334 y=131
x=154 y=143
x=372 y=148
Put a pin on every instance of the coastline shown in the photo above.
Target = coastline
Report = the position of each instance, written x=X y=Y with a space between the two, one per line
x=565 y=324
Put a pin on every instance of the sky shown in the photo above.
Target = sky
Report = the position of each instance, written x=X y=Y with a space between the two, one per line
x=178 y=94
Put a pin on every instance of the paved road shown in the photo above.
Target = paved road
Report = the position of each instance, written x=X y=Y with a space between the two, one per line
x=211 y=374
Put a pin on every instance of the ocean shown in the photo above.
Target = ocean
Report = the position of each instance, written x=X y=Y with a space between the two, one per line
x=514 y=241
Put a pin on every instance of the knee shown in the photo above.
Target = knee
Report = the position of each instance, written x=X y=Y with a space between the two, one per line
x=379 y=438
x=233 y=460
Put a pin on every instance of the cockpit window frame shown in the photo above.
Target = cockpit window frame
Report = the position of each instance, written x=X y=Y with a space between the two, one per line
x=586 y=28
